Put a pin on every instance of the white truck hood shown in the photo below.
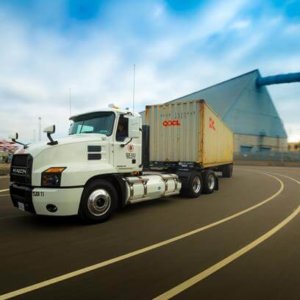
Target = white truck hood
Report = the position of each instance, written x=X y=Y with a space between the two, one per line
x=72 y=140
x=71 y=152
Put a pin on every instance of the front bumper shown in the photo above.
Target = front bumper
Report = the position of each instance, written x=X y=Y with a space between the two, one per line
x=21 y=197
x=38 y=200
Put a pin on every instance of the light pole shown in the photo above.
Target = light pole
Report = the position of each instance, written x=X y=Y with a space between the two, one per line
x=40 y=129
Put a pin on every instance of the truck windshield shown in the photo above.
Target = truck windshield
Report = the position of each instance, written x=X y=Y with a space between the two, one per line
x=100 y=122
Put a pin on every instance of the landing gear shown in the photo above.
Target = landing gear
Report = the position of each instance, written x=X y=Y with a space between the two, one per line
x=227 y=171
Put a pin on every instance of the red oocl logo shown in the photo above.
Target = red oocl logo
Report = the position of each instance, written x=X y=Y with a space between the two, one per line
x=168 y=123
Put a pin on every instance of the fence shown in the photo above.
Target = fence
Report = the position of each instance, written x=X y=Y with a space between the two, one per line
x=268 y=156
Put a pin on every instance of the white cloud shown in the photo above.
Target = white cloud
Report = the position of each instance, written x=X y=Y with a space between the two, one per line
x=240 y=24
x=158 y=10
x=177 y=56
x=293 y=131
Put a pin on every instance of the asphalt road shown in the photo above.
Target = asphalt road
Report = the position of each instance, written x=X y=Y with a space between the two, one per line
x=242 y=242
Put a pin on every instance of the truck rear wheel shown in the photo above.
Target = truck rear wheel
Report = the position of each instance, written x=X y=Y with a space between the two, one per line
x=227 y=171
x=98 y=201
x=209 y=182
x=194 y=188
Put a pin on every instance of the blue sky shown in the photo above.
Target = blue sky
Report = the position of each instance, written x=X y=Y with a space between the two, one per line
x=50 y=50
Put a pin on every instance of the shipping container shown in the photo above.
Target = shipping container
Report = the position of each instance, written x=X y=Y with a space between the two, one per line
x=188 y=132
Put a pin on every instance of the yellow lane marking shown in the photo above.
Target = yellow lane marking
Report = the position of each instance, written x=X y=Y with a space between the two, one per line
x=4 y=190
x=137 y=252
x=291 y=178
x=221 y=264
x=274 y=173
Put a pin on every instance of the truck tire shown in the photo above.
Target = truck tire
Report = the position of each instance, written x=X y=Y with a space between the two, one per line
x=195 y=186
x=98 y=201
x=227 y=171
x=209 y=182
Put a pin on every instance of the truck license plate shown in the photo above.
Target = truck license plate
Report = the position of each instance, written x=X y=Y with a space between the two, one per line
x=21 y=206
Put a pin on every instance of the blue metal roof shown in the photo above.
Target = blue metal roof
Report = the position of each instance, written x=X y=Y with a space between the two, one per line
x=243 y=106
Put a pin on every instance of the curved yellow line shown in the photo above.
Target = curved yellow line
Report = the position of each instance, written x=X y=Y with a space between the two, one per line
x=221 y=264
x=288 y=177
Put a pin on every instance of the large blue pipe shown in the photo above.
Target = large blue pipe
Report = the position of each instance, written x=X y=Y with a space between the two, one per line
x=283 y=78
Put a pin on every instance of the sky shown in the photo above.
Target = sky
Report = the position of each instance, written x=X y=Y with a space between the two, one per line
x=64 y=57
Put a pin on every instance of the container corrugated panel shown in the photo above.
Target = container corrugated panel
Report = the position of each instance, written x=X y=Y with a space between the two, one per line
x=174 y=131
x=188 y=132
x=217 y=139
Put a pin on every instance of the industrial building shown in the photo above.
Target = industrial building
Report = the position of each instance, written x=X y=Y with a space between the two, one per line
x=246 y=106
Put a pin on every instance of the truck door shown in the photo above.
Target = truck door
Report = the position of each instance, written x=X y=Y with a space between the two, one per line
x=126 y=150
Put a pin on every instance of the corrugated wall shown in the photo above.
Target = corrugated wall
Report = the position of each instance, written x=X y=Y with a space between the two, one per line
x=259 y=143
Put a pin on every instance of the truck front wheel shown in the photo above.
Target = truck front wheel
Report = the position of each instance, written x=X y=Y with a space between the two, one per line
x=98 y=201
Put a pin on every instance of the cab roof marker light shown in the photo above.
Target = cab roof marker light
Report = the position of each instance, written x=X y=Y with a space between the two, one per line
x=113 y=106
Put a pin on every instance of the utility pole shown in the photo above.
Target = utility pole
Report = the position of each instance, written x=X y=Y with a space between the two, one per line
x=40 y=129
x=70 y=101
x=34 y=136
x=133 y=91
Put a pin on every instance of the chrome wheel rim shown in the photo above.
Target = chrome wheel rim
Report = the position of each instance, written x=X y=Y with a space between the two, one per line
x=211 y=182
x=196 y=185
x=99 y=202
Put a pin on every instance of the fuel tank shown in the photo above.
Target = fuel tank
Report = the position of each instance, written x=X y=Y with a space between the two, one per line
x=148 y=187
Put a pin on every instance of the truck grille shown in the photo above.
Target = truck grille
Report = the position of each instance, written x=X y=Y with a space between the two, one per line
x=21 y=167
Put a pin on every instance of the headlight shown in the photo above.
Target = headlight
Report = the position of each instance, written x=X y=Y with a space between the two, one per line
x=52 y=176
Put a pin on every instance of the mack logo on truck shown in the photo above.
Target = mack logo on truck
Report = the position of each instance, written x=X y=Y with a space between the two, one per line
x=168 y=123
x=19 y=171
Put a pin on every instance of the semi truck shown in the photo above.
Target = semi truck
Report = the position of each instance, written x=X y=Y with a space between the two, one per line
x=111 y=159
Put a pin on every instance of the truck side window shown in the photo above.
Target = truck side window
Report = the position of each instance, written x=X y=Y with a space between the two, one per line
x=122 y=129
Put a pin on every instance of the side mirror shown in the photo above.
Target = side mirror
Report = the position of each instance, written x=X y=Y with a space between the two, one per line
x=50 y=129
x=14 y=136
x=134 y=126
